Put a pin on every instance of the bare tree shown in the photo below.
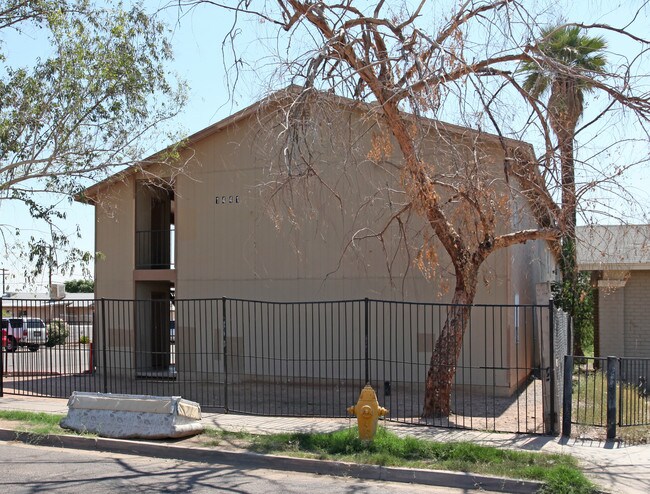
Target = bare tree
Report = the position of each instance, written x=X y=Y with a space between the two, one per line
x=412 y=62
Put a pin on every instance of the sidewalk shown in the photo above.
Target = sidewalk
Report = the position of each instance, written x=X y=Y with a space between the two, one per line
x=612 y=466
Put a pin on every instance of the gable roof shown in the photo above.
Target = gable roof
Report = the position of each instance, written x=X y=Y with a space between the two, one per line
x=38 y=300
x=613 y=247
x=90 y=193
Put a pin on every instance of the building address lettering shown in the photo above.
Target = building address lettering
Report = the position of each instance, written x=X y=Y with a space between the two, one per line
x=227 y=200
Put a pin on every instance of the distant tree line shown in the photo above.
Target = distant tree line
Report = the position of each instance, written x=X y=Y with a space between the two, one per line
x=80 y=286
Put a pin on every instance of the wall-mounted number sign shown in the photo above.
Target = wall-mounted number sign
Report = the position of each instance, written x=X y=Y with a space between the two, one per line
x=227 y=200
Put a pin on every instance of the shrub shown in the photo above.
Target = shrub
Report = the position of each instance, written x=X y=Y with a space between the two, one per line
x=84 y=340
x=57 y=332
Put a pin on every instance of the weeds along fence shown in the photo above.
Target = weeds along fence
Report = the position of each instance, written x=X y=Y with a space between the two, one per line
x=601 y=394
x=295 y=359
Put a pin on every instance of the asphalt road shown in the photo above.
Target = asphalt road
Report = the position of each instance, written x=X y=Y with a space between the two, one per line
x=61 y=359
x=71 y=358
x=32 y=469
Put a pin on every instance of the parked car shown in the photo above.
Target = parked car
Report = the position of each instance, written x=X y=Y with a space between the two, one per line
x=9 y=341
x=24 y=331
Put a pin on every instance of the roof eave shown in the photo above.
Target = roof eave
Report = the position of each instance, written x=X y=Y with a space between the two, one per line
x=89 y=195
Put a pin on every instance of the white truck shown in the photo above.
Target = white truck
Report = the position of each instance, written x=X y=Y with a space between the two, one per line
x=23 y=331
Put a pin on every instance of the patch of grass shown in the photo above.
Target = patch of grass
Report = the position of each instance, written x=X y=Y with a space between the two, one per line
x=559 y=472
x=214 y=437
x=39 y=423
x=590 y=397
x=566 y=480
x=34 y=418
x=589 y=403
x=35 y=422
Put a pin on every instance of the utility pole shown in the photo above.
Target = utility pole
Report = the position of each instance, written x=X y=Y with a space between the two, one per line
x=49 y=265
x=4 y=272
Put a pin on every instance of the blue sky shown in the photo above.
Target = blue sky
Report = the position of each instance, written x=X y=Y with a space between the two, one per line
x=197 y=37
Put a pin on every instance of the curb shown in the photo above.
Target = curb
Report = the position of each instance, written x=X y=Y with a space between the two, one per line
x=439 y=478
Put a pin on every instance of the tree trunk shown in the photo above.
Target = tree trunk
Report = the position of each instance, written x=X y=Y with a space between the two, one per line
x=569 y=264
x=565 y=107
x=569 y=201
x=444 y=358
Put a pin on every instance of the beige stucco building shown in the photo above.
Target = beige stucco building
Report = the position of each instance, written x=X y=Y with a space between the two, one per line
x=229 y=224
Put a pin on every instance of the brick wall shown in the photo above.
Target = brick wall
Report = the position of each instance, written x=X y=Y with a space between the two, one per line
x=612 y=321
x=624 y=307
x=637 y=315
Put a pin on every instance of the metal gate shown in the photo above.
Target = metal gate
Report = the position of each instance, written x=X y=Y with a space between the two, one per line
x=603 y=394
x=295 y=359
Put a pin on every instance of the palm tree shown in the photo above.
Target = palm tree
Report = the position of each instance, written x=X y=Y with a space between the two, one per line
x=565 y=64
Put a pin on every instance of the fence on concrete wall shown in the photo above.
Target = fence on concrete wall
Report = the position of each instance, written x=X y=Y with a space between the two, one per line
x=300 y=359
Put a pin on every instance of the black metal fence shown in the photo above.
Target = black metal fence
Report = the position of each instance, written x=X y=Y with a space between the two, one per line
x=601 y=394
x=634 y=394
x=295 y=359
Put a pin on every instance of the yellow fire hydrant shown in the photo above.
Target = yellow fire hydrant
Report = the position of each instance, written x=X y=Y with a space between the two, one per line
x=368 y=412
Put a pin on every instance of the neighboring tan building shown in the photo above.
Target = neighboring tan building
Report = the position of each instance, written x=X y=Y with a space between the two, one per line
x=77 y=310
x=73 y=308
x=619 y=256
x=217 y=230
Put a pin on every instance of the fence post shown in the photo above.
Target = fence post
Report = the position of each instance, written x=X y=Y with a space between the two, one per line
x=225 y=355
x=104 y=341
x=366 y=356
x=2 y=362
x=612 y=377
x=552 y=366
x=567 y=395
x=569 y=335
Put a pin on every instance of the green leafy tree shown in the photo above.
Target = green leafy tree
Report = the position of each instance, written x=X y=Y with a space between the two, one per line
x=80 y=286
x=93 y=100
x=578 y=297
x=566 y=70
